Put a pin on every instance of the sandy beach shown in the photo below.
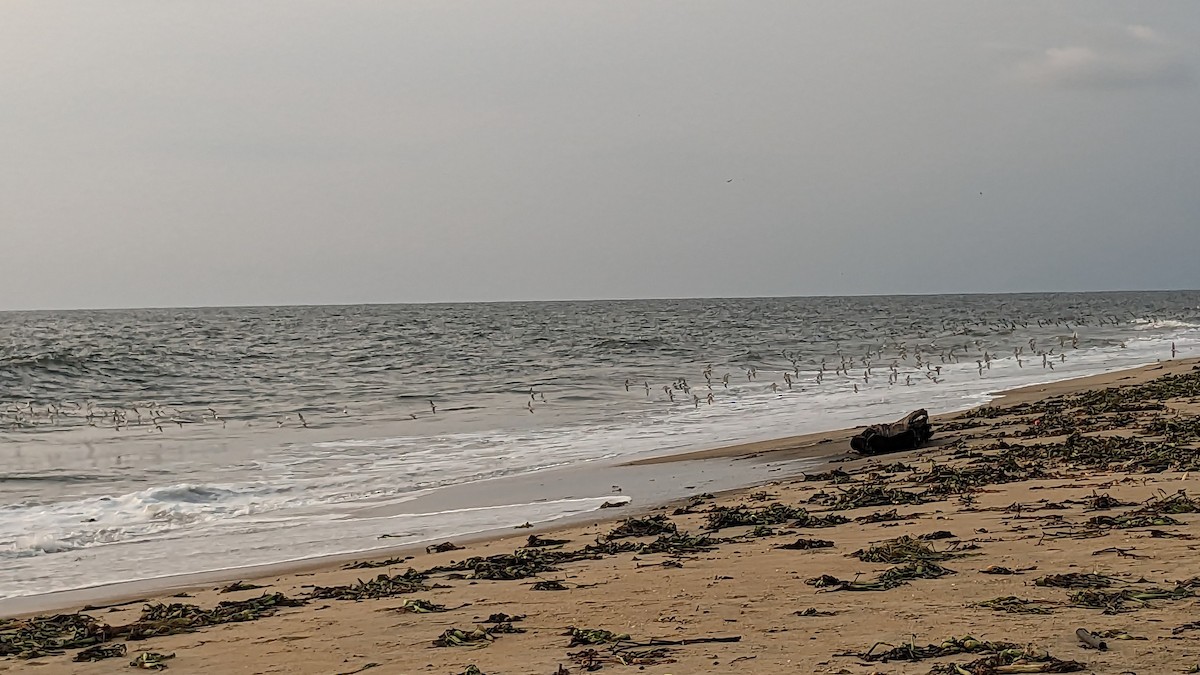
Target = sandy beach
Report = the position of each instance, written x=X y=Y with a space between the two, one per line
x=1056 y=508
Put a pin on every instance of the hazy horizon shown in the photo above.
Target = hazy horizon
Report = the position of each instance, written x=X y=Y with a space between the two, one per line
x=211 y=155
x=603 y=300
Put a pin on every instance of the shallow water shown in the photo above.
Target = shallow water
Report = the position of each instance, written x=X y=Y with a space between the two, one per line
x=141 y=443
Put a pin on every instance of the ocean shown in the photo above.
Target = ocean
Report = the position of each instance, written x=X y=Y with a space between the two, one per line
x=146 y=443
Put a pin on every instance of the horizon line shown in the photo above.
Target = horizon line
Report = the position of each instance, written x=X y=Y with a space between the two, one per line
x=592 y=300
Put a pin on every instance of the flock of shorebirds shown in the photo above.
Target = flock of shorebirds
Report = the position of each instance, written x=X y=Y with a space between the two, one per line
x=900 y=361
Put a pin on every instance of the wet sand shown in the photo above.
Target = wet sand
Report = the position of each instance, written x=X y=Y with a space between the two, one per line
x=742 y=585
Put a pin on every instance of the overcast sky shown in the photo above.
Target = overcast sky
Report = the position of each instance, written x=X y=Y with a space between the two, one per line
x=213 y=153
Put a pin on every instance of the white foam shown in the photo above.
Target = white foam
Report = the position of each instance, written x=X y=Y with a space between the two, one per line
x=224 y=548
x=1162 y=324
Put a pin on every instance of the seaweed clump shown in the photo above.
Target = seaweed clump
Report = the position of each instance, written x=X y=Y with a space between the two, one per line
x=48 y=635
x=775 y=513
x=382 y=586
x=901 y=550
x=45 y=635
x=170 y=619
x=948 y=647
x=643 y=527
x=1014 y=605
x=890 y=578
x=1076 y=580
x=870 y=495
x=803 y=544
x=593 y=636
x=479 y=637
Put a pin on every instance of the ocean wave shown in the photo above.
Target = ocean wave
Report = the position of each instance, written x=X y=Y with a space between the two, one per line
x=46 y=542
x=629 y=345
x=153 y=512
x=1163 y=324
x=54 y=478
x=47 y=360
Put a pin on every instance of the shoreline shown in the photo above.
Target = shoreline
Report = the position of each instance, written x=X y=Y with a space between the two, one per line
x=795 y=446
x=693 y=473
x=819 y=449
x=1032 y=517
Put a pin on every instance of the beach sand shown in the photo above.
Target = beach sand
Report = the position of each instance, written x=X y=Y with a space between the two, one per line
x=1020 y=508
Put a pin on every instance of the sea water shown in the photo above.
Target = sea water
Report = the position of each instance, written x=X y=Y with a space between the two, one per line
x=137 y=444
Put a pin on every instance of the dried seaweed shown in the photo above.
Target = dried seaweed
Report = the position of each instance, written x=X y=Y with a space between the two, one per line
x=626 y=652
x=382 y=586
x=1103 y=502
x=900 y=550
x=1014 y=605
x=807 y=520
x=761 y=496
x=535 y=541
x=948 y=647
x=592 y=659
x=169 y=619
x=477 y=638
x=1132 y=520
x=1117 y=634
x=1177 y=503
x=1126 y=600
x=1076 y=580
x=803 y=544
x=914 y=570
x=592 y=636
x=835 y=475
x=760 y=531
x=643 y=527
x=722 y=517
x=501 y=617
x=43 y=635
x=1112 y=602
x=678 y=543
x=883 y=517
x=151 y=661
x=830 y=583
x=418 y=606
x=373 y=564
x=813 y=611
x=693 y=502
x=870 y=495
x=1010 y=661
x=101 y=652
x=944 y=479
x=887 y=580
x=239 y=586
x=520 y=564
x=443 y=547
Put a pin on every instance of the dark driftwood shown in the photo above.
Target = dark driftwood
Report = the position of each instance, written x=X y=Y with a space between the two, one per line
x=906 y=434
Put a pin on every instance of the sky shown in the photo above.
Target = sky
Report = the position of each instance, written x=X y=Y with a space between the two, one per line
x=295 y=152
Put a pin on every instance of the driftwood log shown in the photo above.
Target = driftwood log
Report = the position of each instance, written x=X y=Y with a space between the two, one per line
x=906 y=434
